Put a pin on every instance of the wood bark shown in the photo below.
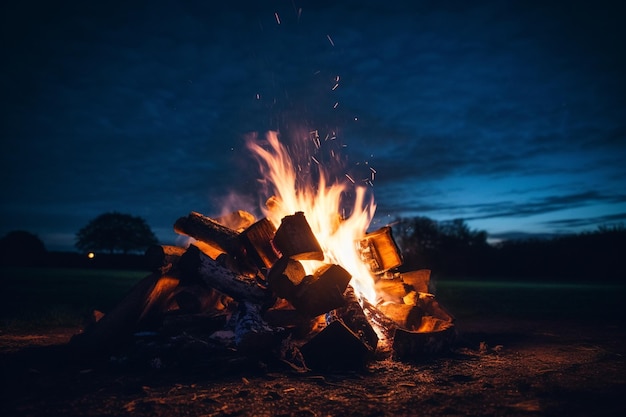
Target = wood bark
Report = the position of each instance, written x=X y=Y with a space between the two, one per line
x=207 y=230
x=213 y=274
x=252 y=333
x=353 y=316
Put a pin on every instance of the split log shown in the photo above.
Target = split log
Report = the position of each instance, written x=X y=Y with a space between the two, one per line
x=380 y=251
x=257 y=239
x=406 y=316
x=322 y=291
x=295 y=239
x=285 y=276
x=145 y=303
x=386 y=326
x=163 y=258
x=391 y=289
x=419 y=280
x=336 y=347
x=353 y=316
x=240 y=287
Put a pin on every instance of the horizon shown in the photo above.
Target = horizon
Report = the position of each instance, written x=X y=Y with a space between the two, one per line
x=510 y=116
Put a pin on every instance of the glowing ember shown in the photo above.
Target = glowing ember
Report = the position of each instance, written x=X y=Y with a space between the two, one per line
x=322 y=205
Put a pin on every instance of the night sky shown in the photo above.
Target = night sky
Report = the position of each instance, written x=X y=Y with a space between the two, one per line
x=509 y=114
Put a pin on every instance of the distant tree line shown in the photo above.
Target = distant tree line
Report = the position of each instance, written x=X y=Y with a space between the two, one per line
x=452 y=249
x=448 y=248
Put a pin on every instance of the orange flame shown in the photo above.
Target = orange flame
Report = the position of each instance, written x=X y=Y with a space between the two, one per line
x=321 y=205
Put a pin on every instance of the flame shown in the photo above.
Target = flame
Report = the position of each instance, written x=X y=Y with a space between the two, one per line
x=321 y=205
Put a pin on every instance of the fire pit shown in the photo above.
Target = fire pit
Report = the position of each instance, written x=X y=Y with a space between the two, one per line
x=304 y=284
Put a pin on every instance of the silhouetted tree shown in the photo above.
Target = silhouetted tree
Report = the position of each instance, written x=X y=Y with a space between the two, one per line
x=115 y=232
x=22 y=248
x=419 y=239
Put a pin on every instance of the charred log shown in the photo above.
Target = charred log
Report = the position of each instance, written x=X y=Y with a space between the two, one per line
x=257 y=239
x=207 y=230
x=196 y=264
x=353 y=316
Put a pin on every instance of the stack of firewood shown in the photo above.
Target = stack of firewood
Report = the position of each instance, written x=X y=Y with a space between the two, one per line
x=243 y=284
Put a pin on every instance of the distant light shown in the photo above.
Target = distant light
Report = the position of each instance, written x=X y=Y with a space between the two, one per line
x=91 y=255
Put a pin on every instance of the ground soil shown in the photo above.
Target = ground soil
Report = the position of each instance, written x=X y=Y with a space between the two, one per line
x=517 y=367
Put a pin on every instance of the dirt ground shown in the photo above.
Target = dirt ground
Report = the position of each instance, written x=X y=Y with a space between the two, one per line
x=497 y=367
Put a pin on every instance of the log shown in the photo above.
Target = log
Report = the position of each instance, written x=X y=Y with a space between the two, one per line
x=295 y=239
x=284 y=277
x=391 y=289
x=252 y=333
x=353 y=316
x=237 y=220
x=198 y=299
x=386 y=326
x=419 y=280
x=207 y=230
x=322 y=291
x=406 y=316
x=146 y=303
x=240 y=287
x=336 y=347
x=161 y=258
x=257 y=239
x=413 y=344
x=379 y=250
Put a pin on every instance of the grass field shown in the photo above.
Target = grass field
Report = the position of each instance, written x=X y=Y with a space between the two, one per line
x=34 y=298
x=43 y=297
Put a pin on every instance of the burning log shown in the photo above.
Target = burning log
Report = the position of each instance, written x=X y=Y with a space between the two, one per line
x=257 y=239
x=196 y=264
x=295 y=239
x=379 y=251
x=209 y=231
x=354 y=318
x=163 y=258
x=392 y=289
x=419 y=280
x=322 y=291
x=406 y=316
x=238 y=220
x=285 y=276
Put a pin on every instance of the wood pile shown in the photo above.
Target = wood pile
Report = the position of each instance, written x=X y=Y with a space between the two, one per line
x=241 y=286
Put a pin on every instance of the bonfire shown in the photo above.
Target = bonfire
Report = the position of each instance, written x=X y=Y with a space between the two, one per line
x=307 y=283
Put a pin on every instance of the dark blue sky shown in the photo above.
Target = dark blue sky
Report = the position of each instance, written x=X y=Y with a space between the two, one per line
x=511 y=115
